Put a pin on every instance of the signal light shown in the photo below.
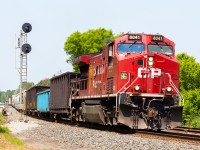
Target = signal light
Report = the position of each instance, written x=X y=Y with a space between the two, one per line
x=26 y=48
x=27 y=27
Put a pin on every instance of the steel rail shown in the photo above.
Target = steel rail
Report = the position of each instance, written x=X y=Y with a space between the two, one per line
x=172 y=134
x=188 y=129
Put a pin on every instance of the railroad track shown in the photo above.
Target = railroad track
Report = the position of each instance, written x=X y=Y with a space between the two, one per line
x=176 y=133
x=188 y=130
x=192 y=134
x=188 y=134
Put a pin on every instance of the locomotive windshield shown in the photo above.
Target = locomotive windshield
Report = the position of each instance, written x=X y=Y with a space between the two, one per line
x=160 y=49
x=130 y=48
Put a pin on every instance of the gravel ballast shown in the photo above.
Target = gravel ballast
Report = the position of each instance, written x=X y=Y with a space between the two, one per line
x=41 y=134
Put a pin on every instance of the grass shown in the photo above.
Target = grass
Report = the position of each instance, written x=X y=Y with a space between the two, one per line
x=1 y=119
x=14 y=140
x=4 y=130
x=7 y=141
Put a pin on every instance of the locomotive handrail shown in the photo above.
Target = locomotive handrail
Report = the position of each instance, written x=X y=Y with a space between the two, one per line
x=75 y=92
x=130 y=84
x=127 y=83
x=176 y=89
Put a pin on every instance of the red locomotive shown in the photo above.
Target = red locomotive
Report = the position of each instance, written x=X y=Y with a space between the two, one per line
x=133 y=81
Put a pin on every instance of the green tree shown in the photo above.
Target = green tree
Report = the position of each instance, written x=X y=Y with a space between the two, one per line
x=44 y=82
x=91 y=41
x=25 y=86
x=5 y=95
x=191 y=110
x=189 y=72
x=190 y=87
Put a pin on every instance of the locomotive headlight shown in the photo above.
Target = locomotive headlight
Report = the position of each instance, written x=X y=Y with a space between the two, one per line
x=150 y=60
x=150 y=63
x=137 y=87
x=169 y=89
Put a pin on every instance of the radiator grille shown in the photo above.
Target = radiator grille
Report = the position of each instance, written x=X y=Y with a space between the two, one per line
x=109 y=86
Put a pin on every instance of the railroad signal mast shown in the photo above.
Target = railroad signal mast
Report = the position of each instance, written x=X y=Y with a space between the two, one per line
x=25 y=48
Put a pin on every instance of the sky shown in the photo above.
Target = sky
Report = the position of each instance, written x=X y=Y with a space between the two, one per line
x=53 y=21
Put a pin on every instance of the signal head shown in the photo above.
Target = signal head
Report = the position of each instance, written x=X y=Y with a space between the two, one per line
x=26 y=48
x=27 y=27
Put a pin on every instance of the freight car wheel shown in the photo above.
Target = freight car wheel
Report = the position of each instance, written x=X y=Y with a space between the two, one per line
x=39 y=114
x=56 y=117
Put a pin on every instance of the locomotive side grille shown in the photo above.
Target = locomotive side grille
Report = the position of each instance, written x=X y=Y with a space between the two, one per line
x=109 y=86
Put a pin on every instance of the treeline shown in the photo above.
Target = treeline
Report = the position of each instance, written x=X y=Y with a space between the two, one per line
x=190 y=88
x=4 y=95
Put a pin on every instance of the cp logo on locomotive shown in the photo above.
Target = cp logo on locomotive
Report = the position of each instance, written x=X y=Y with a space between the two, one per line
x=151 y=72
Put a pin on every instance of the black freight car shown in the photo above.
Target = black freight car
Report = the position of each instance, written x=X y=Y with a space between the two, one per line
x=61 y=90
x=31 y=98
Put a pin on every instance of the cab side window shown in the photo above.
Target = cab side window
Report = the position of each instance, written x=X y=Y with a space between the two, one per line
x=110 y=54
x=110 y=50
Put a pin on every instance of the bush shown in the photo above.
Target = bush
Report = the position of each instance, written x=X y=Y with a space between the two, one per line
x=191 y=110
x=195 y=122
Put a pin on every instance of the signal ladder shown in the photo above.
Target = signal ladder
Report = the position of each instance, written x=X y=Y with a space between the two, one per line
x=24 y=69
